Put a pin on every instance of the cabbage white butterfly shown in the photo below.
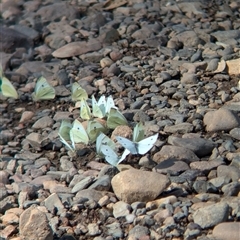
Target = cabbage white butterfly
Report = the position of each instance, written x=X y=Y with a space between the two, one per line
x=78 y=134
x=115 y=118
x=96 y=110
x=64 y=134
x=43 y=90
x=111 y=157
x=78 y=93
x=110 y=104
x=102 y=139
x=6 y=87
x=94 y=128
x=85 y=112
x=140 y=147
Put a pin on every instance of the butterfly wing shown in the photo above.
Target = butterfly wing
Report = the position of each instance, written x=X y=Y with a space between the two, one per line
x=72 y=148
x=6 y=88
x=103 y=139
x=110 y=156
x=78 y=134
x=96 y=110
x=85 y=112
x=102 y=104
x=128 y=144
x=94 y=128
x=146 y=144
x=43 y=90
x=124 y=155
x=78 y=93
x=138 y=132
x=65 y=129
x=115 y=118
x=110 y=104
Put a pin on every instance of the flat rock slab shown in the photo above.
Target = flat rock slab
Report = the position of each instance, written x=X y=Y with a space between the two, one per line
x=77 y=48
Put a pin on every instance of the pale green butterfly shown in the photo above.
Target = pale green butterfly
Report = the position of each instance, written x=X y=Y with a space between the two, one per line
x=65 y=129
x=103 y=139
x=78 y=93
x=85 y=112
x=138 y=132
x=96 y=110
x=111 y=157
x=43 y=90
x=64 y=134
x=94 y=128
x=78 y=133
x=115 y=118
x=6 y=87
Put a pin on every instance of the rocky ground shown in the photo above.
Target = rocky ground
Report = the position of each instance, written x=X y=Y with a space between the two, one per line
x=166 y=63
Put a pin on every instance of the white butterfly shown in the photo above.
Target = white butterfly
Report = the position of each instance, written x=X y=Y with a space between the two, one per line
x=111 y=157
x=43 y=90
x=110 y=104
x=140 y=147
x=78 y=93
x=101 y=108
x=85 y=112
x=96 y=109
x=103 y=139
x=6 y=87
x=78 y=133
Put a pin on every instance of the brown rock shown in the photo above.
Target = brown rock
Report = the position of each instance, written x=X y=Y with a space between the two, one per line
x=227 y=231
x=77 y=48
x=135 y=185
x=221 y=120
x=174 y=152
x=34 y=225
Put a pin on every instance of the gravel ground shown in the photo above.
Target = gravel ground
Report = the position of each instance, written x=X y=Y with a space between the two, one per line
x=172 y=65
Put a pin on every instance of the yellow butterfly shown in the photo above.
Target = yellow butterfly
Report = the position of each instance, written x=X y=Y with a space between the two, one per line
x=78 y=93
x=43 y=90
x=6 y=88
x=85 y=112
x=115 y=118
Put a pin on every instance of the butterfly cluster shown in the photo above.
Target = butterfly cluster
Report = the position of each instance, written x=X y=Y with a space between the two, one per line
x=99 y=117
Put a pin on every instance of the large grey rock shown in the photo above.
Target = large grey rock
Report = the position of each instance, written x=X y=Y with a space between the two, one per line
x=211 y=215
